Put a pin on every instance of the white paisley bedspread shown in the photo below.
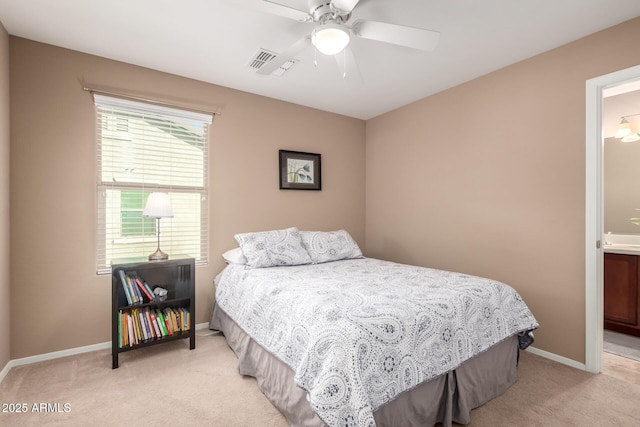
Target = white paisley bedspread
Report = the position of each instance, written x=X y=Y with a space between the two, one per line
x=359 y=332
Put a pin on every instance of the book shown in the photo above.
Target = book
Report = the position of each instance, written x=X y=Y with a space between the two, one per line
x=143 y=327
x=162 y=323
x=121 y=330
x=134 y=297
x=184 y=313
x=154 y=332
x=174 y=320
x=154 y=321
x=178 y=321
x=136 y=323
x=133 y=288
x=130 y=334
x=120 y=340
x=149 y=290
x=181 y=317
x=149 y=324
x=125 y=328
x=143 y=290
x=167 y=319
x=134 y=329
x=125 y=286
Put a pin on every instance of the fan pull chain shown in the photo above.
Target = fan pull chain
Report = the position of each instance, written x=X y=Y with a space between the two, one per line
x=315 y=57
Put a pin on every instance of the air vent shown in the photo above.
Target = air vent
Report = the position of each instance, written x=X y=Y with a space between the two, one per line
x=263 y=56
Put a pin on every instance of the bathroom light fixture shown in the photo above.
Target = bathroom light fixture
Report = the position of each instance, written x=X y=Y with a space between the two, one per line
x=624 y=128
x=625 y=133
x=330 y=39
x=633 y=137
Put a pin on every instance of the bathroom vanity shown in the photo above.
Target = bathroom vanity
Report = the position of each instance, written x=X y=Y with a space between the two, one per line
x=621 y=295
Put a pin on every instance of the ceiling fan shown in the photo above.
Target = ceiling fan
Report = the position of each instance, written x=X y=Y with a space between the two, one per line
x=333 y=30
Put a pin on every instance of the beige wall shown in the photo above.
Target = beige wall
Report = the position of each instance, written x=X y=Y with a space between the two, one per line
x=488 y=178
x=5 y=294
x=57 y=301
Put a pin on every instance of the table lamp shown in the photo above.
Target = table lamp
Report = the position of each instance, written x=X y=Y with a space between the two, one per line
x=158 y=206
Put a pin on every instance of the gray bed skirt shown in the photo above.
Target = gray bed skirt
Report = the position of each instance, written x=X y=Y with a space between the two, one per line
x=445 y=399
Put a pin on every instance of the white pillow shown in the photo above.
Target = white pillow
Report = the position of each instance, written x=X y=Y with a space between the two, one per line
x=326 y=246
x=234 y=256
x=273 y=248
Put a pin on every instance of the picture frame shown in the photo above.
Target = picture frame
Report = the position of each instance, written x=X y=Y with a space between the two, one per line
x=300 y=170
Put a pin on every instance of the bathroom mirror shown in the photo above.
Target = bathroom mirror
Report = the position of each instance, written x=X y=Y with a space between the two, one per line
x=621 y=174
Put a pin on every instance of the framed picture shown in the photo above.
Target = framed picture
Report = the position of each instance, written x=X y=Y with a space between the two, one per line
x=299 y=171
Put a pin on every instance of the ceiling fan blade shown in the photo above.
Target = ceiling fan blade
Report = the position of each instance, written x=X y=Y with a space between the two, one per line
x=285 y=56
x=348 y=65
x=415 y=38
x=345 y=6
x=276 y=9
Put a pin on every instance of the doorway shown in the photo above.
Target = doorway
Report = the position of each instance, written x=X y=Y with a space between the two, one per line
x=594 y=271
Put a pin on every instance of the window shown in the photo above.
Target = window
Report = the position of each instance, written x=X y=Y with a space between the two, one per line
x=133 y=223
x=142 y=148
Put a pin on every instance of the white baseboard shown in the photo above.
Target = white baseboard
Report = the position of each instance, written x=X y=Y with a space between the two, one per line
x=107 y=345
x=65 y=353
x=5 y=371
x=557 y=358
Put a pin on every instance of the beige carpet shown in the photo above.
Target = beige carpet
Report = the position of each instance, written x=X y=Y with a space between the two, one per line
x=169 y=384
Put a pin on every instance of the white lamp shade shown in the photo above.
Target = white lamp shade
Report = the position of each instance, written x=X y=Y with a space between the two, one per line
x=330 y=39
x=624 y=129
x=158 y=206
x=631 y=138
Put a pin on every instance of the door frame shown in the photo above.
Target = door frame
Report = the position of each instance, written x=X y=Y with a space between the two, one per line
x=594 y=271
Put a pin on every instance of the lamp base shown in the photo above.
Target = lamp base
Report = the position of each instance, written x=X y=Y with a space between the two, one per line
x=158 y=255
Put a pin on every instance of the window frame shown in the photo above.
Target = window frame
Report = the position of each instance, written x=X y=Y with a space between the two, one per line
x=102 y=102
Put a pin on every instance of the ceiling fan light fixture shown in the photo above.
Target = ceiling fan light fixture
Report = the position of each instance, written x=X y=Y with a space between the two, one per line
x=330 y=39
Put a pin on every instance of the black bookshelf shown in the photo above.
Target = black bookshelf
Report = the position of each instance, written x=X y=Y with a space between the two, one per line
x=177 y=276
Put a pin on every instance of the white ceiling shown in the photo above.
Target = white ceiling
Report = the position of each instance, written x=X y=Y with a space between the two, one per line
x=214 y=40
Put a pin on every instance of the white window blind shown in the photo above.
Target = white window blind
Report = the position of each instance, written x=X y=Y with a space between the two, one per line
x=143 y=148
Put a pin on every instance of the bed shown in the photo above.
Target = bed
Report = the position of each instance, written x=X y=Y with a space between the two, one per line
x=335 y=338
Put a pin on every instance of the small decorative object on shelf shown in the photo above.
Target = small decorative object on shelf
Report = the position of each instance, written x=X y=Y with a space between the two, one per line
x=152 y=303
x=160 y=293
